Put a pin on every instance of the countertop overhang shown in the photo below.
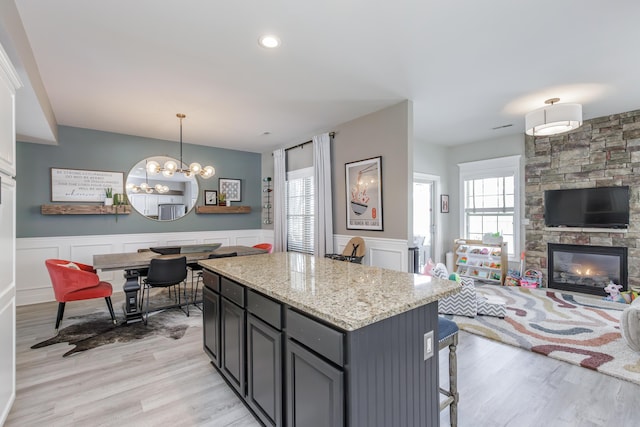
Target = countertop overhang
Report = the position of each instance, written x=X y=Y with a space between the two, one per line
x=346 y=295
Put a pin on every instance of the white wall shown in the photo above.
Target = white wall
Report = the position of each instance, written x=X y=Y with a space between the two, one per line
x=482 y=150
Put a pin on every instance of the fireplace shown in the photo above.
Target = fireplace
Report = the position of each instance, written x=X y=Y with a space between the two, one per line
x=586 y=269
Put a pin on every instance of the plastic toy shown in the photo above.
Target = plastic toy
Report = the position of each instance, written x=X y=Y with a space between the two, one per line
x=531 y=279
x=614 y=292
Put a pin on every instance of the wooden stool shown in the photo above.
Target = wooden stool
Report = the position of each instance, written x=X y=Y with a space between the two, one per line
x=448 y=336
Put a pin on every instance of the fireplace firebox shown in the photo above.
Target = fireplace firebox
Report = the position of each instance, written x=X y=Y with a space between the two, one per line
x=586 y=269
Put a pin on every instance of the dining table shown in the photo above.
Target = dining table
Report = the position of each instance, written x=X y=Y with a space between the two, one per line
x=134 y=262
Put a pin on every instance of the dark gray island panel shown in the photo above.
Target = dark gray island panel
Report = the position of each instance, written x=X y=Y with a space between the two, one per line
x=390 y=383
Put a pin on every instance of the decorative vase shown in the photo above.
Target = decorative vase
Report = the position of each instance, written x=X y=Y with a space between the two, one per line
x=108 y=201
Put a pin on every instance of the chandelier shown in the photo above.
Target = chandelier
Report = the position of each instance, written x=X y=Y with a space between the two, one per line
x=170 y=167
x=145 y=187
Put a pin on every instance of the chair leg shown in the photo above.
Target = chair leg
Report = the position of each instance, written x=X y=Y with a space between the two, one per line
x=110 y=307
x=146 y=313
x=60 y=314
x=453 y=382
x=194 y=293
x=186 y=296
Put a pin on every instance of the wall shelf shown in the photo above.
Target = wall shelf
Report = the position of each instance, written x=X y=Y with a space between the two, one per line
x=84 y=210
x=223 y=209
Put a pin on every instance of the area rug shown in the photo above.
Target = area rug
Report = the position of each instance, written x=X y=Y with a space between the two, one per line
x=96 y=329
x=581 y=330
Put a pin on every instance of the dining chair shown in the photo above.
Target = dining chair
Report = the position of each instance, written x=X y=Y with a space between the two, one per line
x=196 y=271
x=267 y=246
x=353 y=251
x=73 y=281
x=165 y=273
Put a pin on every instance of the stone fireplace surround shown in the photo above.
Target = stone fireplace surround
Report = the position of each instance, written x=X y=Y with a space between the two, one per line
x=603 y=152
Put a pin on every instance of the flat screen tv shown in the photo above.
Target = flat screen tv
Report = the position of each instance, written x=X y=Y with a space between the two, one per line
x=603 y=207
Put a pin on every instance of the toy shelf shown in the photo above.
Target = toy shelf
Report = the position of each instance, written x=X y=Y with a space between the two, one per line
x=481 y=261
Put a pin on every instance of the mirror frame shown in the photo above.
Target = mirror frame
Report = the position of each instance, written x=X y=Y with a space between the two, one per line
x=180 y=188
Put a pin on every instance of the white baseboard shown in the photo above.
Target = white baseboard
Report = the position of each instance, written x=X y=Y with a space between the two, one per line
x=32 y=279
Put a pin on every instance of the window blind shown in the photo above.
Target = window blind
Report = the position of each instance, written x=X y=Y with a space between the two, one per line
x=300 y=220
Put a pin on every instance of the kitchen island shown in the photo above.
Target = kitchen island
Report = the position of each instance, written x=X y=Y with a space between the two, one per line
x=308 y=341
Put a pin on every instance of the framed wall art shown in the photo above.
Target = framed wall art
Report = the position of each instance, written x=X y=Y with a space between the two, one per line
x=232 y=188
x=363 y=181
x=77 y=185
x=210 y=197
x=444 y=203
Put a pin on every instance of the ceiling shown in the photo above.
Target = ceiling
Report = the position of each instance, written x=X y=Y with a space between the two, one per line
x=468 y=67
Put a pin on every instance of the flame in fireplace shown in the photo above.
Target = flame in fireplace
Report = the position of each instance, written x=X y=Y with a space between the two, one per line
x=586 y=273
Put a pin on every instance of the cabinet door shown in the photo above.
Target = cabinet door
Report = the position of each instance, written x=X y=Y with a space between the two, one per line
x=264 y=371
x=211 y=324
x=233 y=344
x=315 y=390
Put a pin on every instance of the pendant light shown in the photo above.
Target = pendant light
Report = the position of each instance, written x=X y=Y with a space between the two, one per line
x=553 y=119
x=170 y=167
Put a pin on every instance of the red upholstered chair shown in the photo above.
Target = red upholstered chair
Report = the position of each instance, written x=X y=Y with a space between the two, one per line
x=73 y=281
x=267 y=246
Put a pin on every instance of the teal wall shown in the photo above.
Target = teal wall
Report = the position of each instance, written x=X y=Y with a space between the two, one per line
x=96 y=150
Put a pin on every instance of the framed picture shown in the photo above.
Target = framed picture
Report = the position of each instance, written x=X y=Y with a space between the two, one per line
x=78 y=185
x=232 y=188
x=444 y=203
x=210 y=197
x=364 y=194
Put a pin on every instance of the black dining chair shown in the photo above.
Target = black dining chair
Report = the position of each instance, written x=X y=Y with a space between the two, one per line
x=196 y=272
x=165 y=273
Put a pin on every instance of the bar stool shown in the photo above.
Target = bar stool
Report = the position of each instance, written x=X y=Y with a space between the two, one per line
x=448 y=337
x=196 y=276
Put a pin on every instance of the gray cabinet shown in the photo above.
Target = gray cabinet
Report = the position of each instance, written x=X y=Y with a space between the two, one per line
x=211 y=315
x=211 y=324
x=264 y=371
x=314 y=390
x=232 y=344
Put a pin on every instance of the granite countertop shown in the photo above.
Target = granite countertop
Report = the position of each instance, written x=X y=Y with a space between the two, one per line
x=347 y=295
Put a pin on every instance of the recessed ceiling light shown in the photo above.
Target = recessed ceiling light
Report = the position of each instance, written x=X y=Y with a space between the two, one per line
x=269 y=41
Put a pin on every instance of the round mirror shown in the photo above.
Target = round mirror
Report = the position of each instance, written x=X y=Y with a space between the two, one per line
x=159 y=193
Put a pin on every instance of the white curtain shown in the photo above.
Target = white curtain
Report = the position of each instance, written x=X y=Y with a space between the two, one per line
x=279 y=200
x=323 y=215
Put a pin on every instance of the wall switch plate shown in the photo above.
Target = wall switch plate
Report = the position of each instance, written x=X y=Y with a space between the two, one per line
x=428 y=345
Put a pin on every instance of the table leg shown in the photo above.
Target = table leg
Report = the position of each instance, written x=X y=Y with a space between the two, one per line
x=131 y=288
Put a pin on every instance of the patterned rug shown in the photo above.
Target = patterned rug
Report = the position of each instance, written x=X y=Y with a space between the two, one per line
x=579 y=329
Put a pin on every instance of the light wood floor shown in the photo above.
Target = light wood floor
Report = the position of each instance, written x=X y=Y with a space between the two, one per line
x=159 y=381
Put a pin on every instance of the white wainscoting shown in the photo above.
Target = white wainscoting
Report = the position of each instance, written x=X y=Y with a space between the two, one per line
x=34 y=286
x=7 y=350
x=32 y=280
x=386 y=253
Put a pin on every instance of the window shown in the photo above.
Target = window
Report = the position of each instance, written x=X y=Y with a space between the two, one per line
x=490 y=200
x=300 y=208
